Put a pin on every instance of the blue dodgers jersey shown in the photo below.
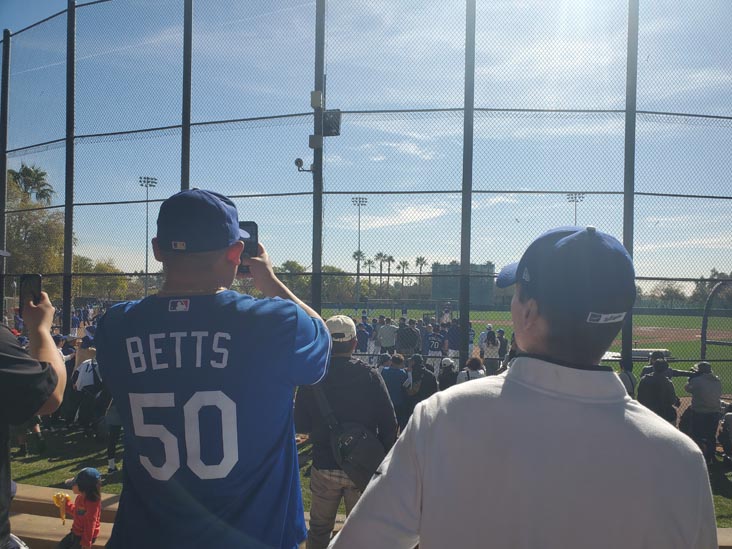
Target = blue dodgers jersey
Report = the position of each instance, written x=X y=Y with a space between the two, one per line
x=205 y=386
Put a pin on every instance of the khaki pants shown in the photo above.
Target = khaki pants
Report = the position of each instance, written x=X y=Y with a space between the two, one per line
x=327 y=487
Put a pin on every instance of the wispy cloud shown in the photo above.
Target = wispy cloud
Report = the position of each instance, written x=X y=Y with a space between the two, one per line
x=407 y=148
x=721 y=242
x=394 y=217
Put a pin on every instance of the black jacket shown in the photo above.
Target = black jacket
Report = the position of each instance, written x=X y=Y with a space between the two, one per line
x=356 y=393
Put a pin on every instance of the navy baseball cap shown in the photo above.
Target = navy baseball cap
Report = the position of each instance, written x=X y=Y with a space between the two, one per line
x=198 y=221
x=577 y=273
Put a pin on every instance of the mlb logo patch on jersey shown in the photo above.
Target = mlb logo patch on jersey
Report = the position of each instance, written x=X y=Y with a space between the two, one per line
x=179 y=305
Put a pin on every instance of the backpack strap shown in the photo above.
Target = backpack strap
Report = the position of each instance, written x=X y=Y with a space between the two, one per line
x=324 y=406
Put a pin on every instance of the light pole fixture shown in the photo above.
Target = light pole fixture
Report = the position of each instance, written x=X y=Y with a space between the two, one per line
x=359 y=202
x=575 y=198
x=147 y=182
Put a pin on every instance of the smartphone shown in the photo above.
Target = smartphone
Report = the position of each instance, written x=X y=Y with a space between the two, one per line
x=251 y=242
x=30 y=288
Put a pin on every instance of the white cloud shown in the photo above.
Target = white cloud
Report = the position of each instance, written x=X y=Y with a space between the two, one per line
x=407 y=148
x=397 y=216
x=721 y=242
x=676 y=221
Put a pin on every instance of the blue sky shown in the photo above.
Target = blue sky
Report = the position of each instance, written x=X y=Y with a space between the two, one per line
x=255 y=58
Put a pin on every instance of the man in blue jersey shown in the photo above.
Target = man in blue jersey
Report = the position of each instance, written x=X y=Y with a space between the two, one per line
x=203 y=378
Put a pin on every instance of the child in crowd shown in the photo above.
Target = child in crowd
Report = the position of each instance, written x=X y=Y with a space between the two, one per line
x=86 y=510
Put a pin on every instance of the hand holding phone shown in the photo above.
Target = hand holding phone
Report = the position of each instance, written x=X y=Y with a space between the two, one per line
x=251 y=243
x=30 y=290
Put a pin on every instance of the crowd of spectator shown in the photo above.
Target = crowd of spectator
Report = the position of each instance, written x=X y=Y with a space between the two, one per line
x=210 y=386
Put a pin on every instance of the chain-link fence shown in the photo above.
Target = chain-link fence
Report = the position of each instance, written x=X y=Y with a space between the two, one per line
x=567 y=128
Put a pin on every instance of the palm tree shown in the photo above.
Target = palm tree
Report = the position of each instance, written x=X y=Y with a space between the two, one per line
x=420 y=263
x=389 y=259
x=380 y=257
x=33 y=181
x=369 y=264
x=403 y=266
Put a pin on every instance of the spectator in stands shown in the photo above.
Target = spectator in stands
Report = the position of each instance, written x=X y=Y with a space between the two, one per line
x=490 y=351
x=383 y=360
x=473 y=370
x=453 y=338
x=482 y=339
x=213 y=370
x=529 y=430
x=387 y=337
x=421 y=384
x=448 y=374
x=725 y=435
x=408 y=340
x=31 y=383
x=670 y=372
x=502 y=345
x=75 y=323
x=373 y=345
x=626 y=377
x=363 y=338
x=706 y=395
x=395 y=377
x=356 y=394
x=657 y=393
x=426 y=333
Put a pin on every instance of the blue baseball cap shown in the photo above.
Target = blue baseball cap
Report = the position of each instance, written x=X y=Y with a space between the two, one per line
x=198 y=221
x=576 y=273
x=87 y=478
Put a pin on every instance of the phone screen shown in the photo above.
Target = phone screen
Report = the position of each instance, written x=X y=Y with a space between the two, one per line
x=251 y=242
x=30 y=288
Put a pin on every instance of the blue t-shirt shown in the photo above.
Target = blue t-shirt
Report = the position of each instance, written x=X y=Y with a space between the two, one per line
x=204 y=386
x=393 y=379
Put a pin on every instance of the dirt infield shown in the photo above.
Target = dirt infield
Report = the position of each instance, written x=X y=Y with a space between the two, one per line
x=671 y=335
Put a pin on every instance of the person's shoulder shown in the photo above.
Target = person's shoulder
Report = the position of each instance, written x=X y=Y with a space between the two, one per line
x=653 y=432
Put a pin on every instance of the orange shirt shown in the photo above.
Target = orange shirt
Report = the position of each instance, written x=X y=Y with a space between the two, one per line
x=87 y=516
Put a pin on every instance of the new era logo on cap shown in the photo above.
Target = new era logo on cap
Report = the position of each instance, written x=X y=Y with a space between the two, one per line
x=178 y=245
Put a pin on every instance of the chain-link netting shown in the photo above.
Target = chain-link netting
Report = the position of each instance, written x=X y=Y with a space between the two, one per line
x=548 y=149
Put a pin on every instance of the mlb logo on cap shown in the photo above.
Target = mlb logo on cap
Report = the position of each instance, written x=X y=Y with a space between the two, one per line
x=178 y=245
x=179 y=305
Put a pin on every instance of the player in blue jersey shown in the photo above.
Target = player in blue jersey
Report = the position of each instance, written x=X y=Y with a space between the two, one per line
x=203 y=378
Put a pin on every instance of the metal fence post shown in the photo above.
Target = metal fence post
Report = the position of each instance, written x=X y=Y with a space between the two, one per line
x=69 y=191
x=631 y=88
x=317 y=278
x=185 y=140
x=467 y=189
x=4 y=101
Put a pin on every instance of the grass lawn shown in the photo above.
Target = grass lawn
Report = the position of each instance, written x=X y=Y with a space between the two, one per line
x=69 y=452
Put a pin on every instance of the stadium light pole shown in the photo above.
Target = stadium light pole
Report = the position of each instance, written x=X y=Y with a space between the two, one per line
x=359 y=201
x=147 y=182
x=575 y=197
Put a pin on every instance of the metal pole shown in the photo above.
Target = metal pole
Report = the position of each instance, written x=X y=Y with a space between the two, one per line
x=467 y=190
x=358 y=261
x=631 y=87
x=69 y=190
x=185 y=141
x=147 y=234
x=4 y=102
x=316 y=281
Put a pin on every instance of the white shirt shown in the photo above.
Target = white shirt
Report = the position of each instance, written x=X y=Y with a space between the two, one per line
x=565 y=453
x=469 y=375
